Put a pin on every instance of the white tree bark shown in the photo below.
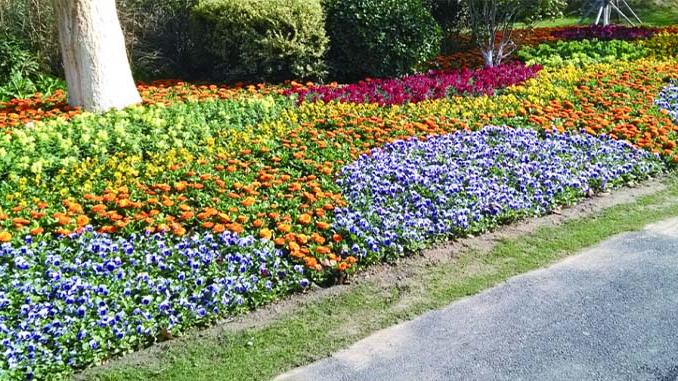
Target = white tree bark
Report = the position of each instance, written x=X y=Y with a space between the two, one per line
x=97 y=70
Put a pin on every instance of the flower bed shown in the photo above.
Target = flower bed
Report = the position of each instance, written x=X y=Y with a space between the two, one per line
x=419 y=87
x=40 y=107
x=264 y=168
x=148 y=130
x=409 y=192
x=581 y=53
x=668 y=100
x=531 y=37
x=74 y=301
x=607 y=32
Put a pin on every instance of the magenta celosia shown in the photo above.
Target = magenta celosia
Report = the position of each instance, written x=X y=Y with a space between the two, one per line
x=419 y=87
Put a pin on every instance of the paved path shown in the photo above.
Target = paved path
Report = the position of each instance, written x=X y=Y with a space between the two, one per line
x=610 y=313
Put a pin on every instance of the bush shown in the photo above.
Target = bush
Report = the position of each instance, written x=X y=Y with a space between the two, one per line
x=15 y=58
x=262 y=39
x=380 y=38
x=156 y=34
x=452 y=16
x=448 y=13
x=158 y=38
x=20 y=71
x=542 y=9
x=31 y=24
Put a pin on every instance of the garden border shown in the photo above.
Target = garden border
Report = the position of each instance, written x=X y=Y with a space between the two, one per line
x=383 y=277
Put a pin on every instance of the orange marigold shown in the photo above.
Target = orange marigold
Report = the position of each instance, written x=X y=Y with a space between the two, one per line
x=322 y=225
x=5 y=236
x=265 y=234
x=98 y=208
x=322 y=250
x=82 y=220
x=304 y=219
x=235 y=228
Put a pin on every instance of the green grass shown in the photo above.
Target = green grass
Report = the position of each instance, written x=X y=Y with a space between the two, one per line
x=660 y=16
x=655 y=16
x=323 y=325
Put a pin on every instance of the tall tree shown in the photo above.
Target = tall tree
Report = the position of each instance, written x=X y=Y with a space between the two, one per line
x=97 y=69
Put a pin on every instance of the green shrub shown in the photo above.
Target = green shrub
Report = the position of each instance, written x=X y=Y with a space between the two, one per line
x=261 y=39
x=20 y=71
x=448 y=13
x=16 y=59
x=158 y=37
x=541 y=9
x=31 y=23
x=380 y=38
x=580 y=53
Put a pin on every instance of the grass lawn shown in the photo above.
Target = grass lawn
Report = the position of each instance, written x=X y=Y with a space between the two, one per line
x=330 y=322
x=652 y=17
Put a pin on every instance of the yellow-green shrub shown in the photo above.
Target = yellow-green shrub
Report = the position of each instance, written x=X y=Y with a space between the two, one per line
x=261 y=39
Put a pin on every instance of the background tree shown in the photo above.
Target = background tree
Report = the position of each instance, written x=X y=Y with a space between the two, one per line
x=95 y=62
x=492 y=23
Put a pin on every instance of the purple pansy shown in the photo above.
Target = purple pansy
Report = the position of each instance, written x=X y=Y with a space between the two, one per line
x=402 y=196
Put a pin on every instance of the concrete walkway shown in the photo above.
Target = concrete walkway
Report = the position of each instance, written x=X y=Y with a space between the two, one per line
x=609 y=313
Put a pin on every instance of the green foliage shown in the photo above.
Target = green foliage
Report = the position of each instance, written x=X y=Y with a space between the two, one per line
x=20 y=73
x=448 y=13
x=580 y=53
x=156 y=34
x=261 y=39
x=158 y=37
x=380 y=38
x=31 y=23
x=15 y=59
x=542 y=9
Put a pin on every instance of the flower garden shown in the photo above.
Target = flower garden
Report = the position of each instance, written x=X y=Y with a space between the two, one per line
x=126 y=228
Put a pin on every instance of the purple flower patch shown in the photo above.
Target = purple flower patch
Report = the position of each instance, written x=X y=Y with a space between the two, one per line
x=607 y=32
x=408 y=193
x=668 y=100
x=70 y=302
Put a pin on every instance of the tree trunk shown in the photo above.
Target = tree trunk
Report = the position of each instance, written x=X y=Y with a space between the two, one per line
x=97 y=70
x=488 y=56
